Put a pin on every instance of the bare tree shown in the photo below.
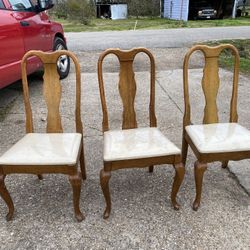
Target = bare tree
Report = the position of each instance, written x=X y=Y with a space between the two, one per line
x=80 y=10
x=144 y=7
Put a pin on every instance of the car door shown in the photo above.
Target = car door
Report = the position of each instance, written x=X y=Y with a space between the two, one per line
x=11 y=47
x=35 y=26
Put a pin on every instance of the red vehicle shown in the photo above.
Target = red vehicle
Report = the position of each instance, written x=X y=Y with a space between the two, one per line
x=25 y=26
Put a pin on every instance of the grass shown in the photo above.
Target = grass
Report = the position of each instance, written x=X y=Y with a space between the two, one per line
x=226 y=59
x=118 y=25
x=147 y=23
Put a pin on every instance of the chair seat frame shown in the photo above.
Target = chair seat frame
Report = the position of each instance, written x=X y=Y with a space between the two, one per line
x=211 y=157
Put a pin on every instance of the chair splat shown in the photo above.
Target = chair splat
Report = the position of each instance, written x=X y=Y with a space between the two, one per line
x=52 y=91
x=127 y=87
x=210 y=86
x=211 y=83
x=127 y=90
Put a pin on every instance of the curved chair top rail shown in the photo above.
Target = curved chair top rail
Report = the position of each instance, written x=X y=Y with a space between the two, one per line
x=127 y=86
x=52 y=90
x=210 y=82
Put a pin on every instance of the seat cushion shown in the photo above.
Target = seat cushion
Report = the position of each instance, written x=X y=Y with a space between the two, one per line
x=44 y=149
x=136 y=144
x=219 y=137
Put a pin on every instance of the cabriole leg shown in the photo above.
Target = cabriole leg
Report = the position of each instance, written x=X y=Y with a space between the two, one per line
x=199 y=170
x=75 y=181
x=224 y=164
x=104 y=178
x=151 y=169
x=40 y=177
x=6 y=197
x=179 y=175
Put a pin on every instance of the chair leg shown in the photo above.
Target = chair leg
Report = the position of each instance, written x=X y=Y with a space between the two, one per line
x=75 y=181
x=40 y=177
x=151 y=169
x=179 y=175
x=104 y=178
x=224 y=164
x=4 y=193
x=184 y=150
x=199 y=170
x=82 y=164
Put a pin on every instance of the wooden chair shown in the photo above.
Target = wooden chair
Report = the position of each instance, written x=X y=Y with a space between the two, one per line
x=54 y=151
x=213 y=141
x=134 y=147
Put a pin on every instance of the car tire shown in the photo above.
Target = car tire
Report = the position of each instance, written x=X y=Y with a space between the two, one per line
x=63 y=63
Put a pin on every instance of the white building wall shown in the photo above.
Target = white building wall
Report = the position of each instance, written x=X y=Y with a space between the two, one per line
x=119 y=11
x=176 y=9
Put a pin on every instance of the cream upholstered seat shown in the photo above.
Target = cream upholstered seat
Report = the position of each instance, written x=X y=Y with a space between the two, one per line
x=219 y=137
x=137 y=143
x=53 y=152
x=44 y=149
x=133 y=147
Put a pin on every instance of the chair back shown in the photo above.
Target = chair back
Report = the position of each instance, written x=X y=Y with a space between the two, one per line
x=52 y=90
x=127 y=86
x=211 y=82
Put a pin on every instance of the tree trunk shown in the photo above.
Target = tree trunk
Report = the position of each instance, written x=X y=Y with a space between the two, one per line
x=234 y=8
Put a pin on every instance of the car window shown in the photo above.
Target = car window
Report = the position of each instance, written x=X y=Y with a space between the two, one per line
x=2 y=5
x=21 y=5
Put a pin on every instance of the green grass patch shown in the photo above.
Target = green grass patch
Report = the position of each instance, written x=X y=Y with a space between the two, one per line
x=241 y=21
x=97 y=24
x=118 y=25
x=226 y=58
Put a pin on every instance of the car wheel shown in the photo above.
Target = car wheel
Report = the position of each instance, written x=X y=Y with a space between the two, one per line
x=63 y=63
